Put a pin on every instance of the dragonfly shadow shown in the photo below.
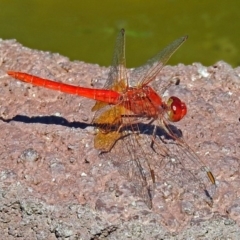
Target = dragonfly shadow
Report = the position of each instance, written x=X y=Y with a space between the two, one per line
x=47 y=120
x=142 y=128
x=148 y=129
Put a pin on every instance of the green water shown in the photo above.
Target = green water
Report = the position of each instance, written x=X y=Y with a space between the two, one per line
x=86 y=30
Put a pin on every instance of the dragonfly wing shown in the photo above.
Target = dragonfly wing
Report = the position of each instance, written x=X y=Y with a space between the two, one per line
x=108 y=124
x=118 y=136
x=181 y=165
x=168 y=168
x=129 y=156
x=148 y=72
x=117 y=77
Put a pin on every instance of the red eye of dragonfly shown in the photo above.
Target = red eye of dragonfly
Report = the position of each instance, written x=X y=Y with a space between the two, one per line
x=177 y=109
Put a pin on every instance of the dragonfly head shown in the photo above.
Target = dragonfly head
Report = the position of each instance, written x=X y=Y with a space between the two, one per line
x=176 y=109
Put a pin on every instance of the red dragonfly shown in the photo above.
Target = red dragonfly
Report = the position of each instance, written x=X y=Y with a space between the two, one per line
x=128 y=108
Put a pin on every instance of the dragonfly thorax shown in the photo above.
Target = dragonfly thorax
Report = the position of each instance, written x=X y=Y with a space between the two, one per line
x=142 y=101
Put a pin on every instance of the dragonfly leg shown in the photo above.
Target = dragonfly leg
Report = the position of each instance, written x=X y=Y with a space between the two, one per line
x=153 y=137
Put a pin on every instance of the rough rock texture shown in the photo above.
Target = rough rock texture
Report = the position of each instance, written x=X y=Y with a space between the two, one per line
x=53 y=183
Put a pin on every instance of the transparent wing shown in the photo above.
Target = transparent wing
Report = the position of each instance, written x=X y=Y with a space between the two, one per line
x=168 y=168
x=122 y=144
x=117 y=73
x=117 y=76
x=148 y=72
x=148 y=153
x=181 y=164
x=132 y=162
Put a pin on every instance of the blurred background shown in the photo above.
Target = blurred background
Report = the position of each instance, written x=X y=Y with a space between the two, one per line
x=86 y=30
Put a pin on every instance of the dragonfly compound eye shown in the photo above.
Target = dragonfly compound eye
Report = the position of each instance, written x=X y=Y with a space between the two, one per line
x=176 y=109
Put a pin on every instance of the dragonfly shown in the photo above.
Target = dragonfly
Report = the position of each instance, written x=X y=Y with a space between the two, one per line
x=131 y=114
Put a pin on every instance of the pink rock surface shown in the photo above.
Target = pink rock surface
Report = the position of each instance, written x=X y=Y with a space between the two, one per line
x=54 y=184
